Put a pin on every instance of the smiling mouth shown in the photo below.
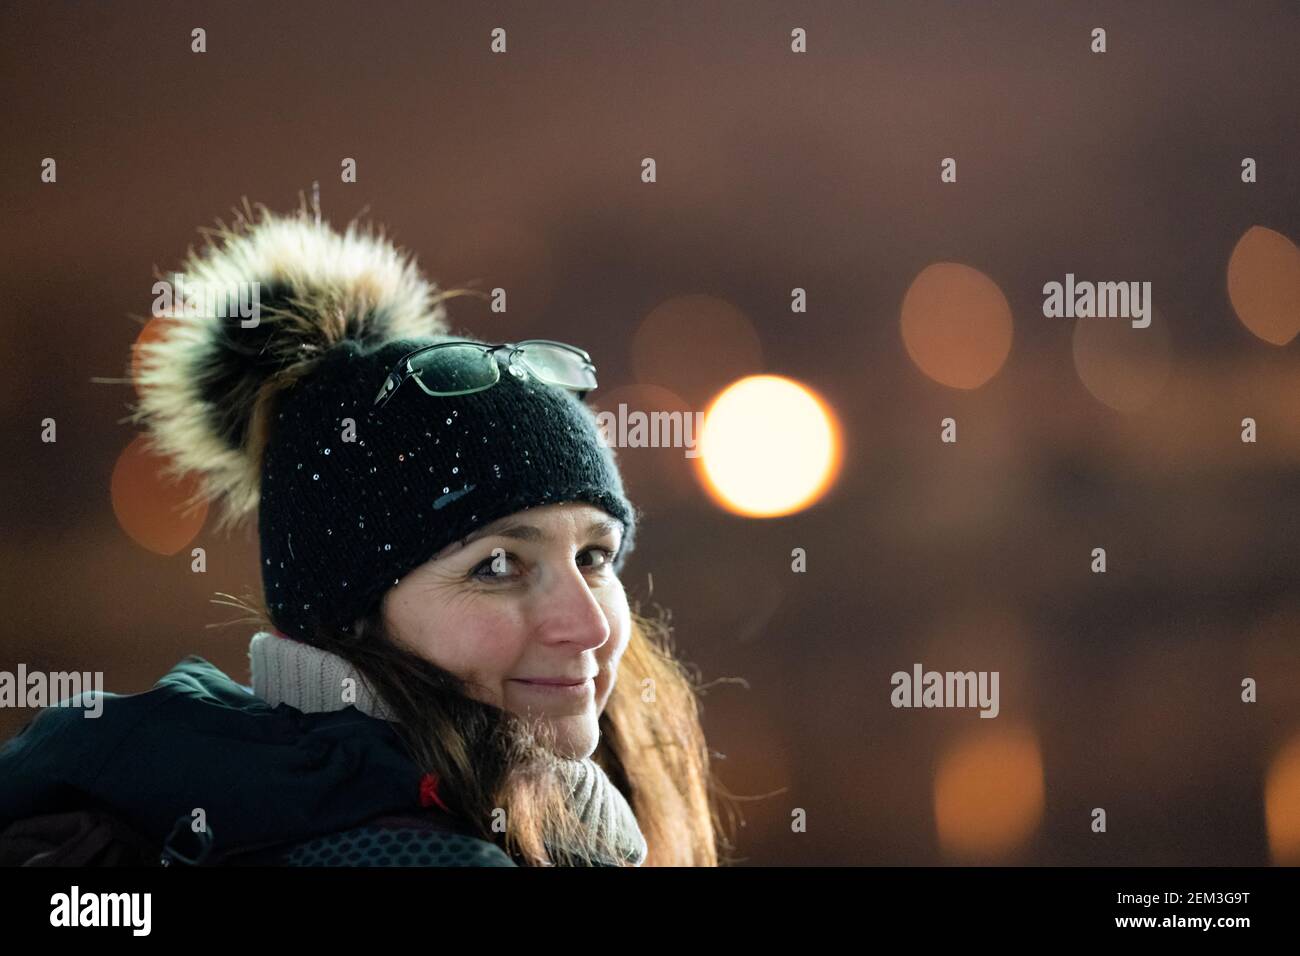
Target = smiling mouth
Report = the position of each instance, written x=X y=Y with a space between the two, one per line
x=564 y=681
x=557 y=686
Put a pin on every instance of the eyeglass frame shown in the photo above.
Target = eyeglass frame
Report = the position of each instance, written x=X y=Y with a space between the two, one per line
x=401 y=370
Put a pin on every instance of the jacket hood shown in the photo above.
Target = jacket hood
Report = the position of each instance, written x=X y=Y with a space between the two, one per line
x=262 y=775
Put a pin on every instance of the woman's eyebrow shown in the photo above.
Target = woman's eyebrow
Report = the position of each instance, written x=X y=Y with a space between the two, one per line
x=528 y=532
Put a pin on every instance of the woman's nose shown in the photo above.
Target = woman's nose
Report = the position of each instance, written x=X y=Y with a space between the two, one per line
x=570 y=613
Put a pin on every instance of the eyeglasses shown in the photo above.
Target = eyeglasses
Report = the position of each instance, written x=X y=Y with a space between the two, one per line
x=459 y=368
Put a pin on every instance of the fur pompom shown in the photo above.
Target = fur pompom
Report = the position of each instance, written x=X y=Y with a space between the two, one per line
x=208 y=381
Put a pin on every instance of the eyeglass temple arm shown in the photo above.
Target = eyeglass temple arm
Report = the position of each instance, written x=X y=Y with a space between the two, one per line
x=389 y=386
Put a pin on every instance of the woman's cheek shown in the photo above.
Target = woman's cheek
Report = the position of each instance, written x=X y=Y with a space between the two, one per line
x=490 y=647
x=620 y=621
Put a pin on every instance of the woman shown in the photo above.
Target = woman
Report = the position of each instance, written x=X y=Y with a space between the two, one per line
x=448 y=672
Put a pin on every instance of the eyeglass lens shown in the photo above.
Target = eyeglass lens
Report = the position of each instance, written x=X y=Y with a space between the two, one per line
x=454 y=369
x=557 y=366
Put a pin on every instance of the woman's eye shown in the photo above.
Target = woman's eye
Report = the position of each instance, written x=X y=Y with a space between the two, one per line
x=498 y=567
x=607 y=557
x=494 y=567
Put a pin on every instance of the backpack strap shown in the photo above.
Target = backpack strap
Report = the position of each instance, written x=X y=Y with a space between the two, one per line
x=397 y=841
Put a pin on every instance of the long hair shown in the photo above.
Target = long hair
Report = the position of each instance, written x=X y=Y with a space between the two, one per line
x=499 y=774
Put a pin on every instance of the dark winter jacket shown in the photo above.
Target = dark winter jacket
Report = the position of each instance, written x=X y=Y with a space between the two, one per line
x=199 y=770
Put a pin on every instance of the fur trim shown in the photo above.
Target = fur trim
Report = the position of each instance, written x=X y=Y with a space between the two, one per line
x=207 y=384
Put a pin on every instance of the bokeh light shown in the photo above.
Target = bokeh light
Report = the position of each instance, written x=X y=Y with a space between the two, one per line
x=988 y=793
x=771 y=447
x=154 y=330
x=956 y=325
x=148 y=506
x=1282 y=804
x=1125 y=368
x=695 y=345
x=1264 y=284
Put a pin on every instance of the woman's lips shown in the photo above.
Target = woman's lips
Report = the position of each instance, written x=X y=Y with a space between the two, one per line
x=553 y=688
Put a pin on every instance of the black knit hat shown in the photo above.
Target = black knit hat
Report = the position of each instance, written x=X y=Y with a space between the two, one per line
x=351 y=496
x=342 y=521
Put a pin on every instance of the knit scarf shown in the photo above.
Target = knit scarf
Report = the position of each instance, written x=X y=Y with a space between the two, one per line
x=309 y=679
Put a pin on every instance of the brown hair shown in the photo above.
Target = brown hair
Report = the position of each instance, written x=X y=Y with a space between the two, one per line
x=487 y=760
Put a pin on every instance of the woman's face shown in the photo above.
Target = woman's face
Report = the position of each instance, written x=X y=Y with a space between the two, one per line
x=527 y=599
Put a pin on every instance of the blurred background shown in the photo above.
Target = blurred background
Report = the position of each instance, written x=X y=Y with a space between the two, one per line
x=775 y=171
